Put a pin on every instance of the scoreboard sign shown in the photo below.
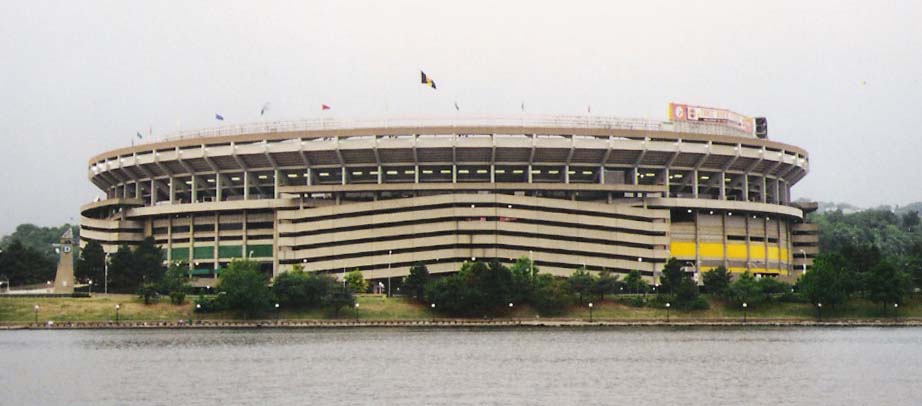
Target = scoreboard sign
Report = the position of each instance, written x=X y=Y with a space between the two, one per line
x=687 y=112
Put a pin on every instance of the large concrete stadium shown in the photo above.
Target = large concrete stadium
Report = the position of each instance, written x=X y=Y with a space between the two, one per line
x=333 y=196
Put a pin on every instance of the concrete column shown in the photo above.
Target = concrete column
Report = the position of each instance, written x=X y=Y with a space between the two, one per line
x=219 y=194
x=695 y=183
x=344 y=174
x=172 y=190
x=667 y=181
x=454 y=173
x=764 y=192
x=566 y=174
x=529 y=174
x=194 y=188
x=723 y=185
x=275 y=180
x=137 y=190
x=153 y=192
x=310 y=177
x=217 y=240
x=745 y=187
x=777 y=191
x=636 y=175
x=492 y=173
x=246 y=185
x=602 y=175
x=415 y=173
x=380 y=175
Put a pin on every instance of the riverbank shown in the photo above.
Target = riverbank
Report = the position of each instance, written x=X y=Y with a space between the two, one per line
x=379 y=311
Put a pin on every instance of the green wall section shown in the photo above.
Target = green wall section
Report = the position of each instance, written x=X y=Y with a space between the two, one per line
x=180 y=254
x=261 y=251
x=230 y=251
x=203 y=252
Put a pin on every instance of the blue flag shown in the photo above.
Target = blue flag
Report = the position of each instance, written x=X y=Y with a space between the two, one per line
x=140 y=136
x=218 y=117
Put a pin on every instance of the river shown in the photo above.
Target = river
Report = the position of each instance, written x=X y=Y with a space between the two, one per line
x=624 y=366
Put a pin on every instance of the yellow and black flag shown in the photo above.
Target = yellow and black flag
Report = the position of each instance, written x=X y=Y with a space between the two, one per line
x=427 y=80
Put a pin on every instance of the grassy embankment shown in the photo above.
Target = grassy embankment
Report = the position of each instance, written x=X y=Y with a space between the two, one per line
x=100 y=308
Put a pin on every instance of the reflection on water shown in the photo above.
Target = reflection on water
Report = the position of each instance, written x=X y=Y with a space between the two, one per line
x=417 y=366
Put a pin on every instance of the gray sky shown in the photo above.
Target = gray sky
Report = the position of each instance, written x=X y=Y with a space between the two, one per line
x=839 y=78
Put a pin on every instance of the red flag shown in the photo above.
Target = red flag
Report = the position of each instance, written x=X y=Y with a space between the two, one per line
x=324 y=107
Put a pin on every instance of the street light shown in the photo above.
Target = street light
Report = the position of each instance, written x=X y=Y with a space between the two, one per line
x=590 y=312
x=106 y=282
x=277 y=311
x=117 y=306
x=36 y=313
x=389 y=261
x=432 y=306
x=819 y=310
x=90 y=283
x=745 y=305
x=198 y=307
x=356 y=312
x=668 y=305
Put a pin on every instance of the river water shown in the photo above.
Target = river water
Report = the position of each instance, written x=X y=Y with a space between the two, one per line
x=627 y=366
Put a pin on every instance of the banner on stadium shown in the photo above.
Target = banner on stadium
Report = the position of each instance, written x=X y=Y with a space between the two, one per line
x=687 y=112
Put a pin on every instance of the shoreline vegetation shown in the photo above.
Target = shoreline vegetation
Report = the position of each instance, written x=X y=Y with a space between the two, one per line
x=380 y=311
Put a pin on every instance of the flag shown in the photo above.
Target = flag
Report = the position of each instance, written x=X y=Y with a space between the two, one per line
x=456 y=106
x=264 y=109
x=523 y=107
x=140 y=137
x=589 y=109
x=427 y=80
x=324 y=107
x=218 y=117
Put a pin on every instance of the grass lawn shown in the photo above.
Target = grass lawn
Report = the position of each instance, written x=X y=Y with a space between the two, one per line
x=102 y=308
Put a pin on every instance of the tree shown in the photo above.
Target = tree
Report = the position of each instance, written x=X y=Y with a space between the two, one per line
x=634 y=282
x=244 y=287
x=123 y=274
x=23 y=265
x=581 y=283
x=717 y=280
x=551 y=295
x=415 y=283
x=92 y=263
x=147 y=291
x=886 y=284
x=745 y=289
x=825 y=283
x=604 y=284
x=671 y=276
x=299 y=289
x=356 y=281
x=523 y=279
x=148 y=259
x=911 y=219
x=175 y=282
x=340 y=297
x=686 y=295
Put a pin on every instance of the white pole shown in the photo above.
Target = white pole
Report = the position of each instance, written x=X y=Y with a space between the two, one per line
x=106 y=282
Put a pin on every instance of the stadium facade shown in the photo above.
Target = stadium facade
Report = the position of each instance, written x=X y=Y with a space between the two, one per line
x=333 y=196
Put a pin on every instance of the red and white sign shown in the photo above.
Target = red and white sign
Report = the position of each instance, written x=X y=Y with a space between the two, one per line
x=686 y=112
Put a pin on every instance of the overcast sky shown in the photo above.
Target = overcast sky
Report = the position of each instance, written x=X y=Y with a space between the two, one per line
x=839 y=78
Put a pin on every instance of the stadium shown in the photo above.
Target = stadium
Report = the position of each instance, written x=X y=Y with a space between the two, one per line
x=599 y=192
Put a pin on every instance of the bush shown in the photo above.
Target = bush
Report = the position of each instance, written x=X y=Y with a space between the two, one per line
x=550 y=295
x=298 y=289
x=244 y=287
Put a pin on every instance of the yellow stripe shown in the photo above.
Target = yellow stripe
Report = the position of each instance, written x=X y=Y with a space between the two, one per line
x=757 y=251
x=736 y=251
x=682 y=249
x=712 y=250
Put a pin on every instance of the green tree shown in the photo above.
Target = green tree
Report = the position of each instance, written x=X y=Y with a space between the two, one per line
x=551 y=295
x=175 y=282
x=123 y=274
x=686 y=295
x=911 y=220
x=339 y=298
x=745 y=289
x=147 y=291
x=886 y=284
x=523 y=279
x=356 y=282
x=92 y=263
x=671 y=276
x=825 y=283
x=634 y=282
x=717 y=280
x=581 y=283
x=148 y=259
x=604 y=284
x=298 y=289
x=415 y=283
x=23 y=265
x=244 y=287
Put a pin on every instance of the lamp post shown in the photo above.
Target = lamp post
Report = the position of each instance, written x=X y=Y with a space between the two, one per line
x=356 y=312
x=198 y=307
x=510 y=310
x=590 y=312
x=389 y=255
x=432 y=306
x=35 y=308
x=668 y=305
x=90 y=284
x=278 y=314
x=896 y=309
x=106 y=282
x=819 y=311
x=745 y=306
x=117 y=306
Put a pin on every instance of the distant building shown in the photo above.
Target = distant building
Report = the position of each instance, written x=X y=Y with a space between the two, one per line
x=601 y=192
